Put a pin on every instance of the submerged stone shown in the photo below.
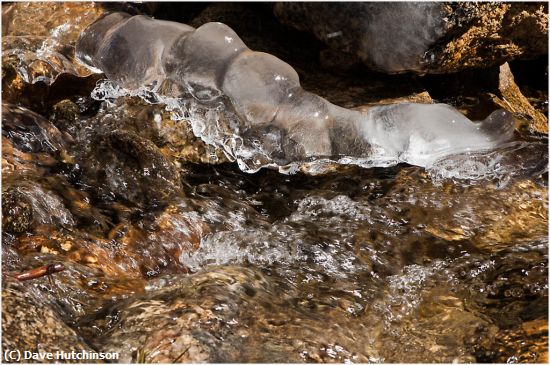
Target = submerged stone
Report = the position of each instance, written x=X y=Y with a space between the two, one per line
x=28 y=325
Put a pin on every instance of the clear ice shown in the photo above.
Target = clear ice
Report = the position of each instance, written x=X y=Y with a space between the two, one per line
x=252 y=106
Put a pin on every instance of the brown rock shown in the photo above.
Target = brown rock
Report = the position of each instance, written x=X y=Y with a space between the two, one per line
x=16 y=162
x=222 y=314
x=28 y=324
x=29 y=131
x=132 y=168
x=16 y=211
x=486 y=34
x=418 y=97
x=128 y=251
x=511 y=343
x=28 y=27
x=513 y=100
x=29 y=143
x=175 y=139
x=425 y=37
x=180 y=144
x=62 y=21
x=38 y=48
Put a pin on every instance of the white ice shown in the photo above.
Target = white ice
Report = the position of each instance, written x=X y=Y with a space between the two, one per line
x=251 y=103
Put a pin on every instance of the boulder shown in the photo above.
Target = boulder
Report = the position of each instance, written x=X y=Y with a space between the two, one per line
x=28 y=324
x=425 y=37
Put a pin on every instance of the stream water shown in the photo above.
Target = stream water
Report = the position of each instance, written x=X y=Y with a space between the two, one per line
x=172 y=260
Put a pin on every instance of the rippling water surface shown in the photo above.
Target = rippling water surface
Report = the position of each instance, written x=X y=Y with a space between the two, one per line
x=170 y=260
x=360 y=265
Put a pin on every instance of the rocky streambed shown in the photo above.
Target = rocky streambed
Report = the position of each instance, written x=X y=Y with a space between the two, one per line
x=124 y=232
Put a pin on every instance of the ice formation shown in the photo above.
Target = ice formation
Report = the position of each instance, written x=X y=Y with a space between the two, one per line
x=251 y=103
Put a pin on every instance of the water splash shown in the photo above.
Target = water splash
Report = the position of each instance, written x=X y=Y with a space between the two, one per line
x=512 y=160
x=289 y=243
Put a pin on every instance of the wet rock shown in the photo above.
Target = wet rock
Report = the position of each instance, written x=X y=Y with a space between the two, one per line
x=44 y=49
x=30 y=132
x=129 y=250
x=513 y=100
x=29 y=204
x=65 y=110
x=523 y=332
x=422 y=97
x=495 y=33
x=452 y=327
x=492 y=226
x=108 y=258
x=62 y=22
x=16 y=162
x=48 y=200
x=77 y=292
x=180 y=144
x=225 y=314
x=157 y=248
x=131 y=168
x=425 y=37
x=32 y=147
x=16 y=211
x=510 y=346
x=65 y=114
x=37 y=54
x=31 y=144
x=28 y=324
x=40 y=96
x=34 y=64
x=82 y=208
x=175 y=139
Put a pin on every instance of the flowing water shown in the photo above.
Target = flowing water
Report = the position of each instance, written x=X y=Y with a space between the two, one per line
x=362 y=265
x=170 y=259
